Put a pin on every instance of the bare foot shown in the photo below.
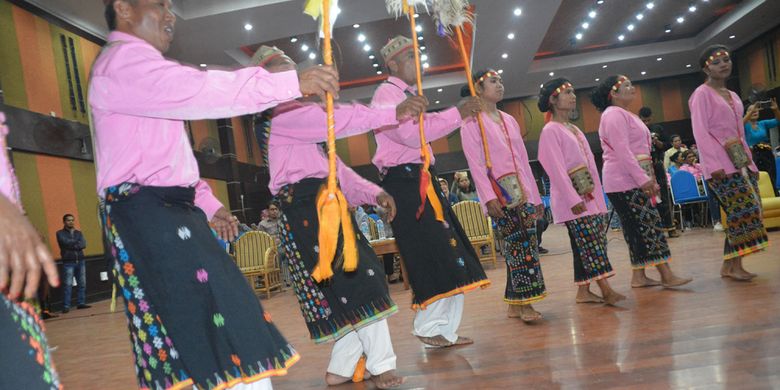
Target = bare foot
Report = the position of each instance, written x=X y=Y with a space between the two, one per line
x=436 y=341
x=643 y=281
x=740 y=275
x=463 y=340
x=514 y=311
x=725 y=269
x=588 y=297
x=333 y=379
x=675 y=281
x=388 y=380
x=612 y=298
x=528 y=314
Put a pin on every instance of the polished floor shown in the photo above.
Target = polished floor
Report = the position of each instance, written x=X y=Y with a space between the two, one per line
x=712 y=334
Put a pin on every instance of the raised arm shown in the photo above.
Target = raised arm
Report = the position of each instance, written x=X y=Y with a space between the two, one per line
x=296 y=122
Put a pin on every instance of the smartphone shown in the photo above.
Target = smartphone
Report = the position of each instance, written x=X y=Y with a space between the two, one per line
x=764 y=104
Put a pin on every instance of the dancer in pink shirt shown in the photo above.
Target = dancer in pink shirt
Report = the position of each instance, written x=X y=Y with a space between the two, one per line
x=576 y=196
x=515 y=216
x=716 y=117
x=629 y=181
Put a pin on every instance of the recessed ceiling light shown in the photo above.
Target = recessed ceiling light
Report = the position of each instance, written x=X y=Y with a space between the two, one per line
x=248 y=27
x=366 y=47
x=688 y=65
x=203 y=65
x=361 y=38
x=505 y=56
x=659 y=59
x=500 y=71
x=592 y=14
x=541 y=85
x=650 y=5
x=579 y=35
x=600 y=2
x=305 y=47
x=355 y=25
x=371 y=57
x=585 y=25
x=640 y=16
x=732 y=36
x=312 y=55
x=416 y=16
x=680 y=19
x=598 y=79
x=424 y=57
x=518 y=11
x=379 y=72
x=621 y=37
x=420 y=38
x=437 y=102
x=644 y=73
x=630 y=27
x=418 y=28
x=603 y=67
x=510 y=36
x=668 y=30
x=376 y=65
x=422 y=48
x=692 y=8
x=440 y=89
x=293 y=39
x=426 y=65
x=552 y=74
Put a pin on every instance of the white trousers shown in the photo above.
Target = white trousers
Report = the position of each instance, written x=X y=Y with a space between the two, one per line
x=373 y=341
x=263 y=384
x=440 y=318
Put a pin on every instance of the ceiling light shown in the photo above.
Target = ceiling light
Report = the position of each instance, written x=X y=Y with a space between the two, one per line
x=366 y=47
x=659 y=59
x=305 y=47
x=293 y=39
x=640 y=16
x=732 y=36
x=437 y=102
x=603 y=67
x=688 y=65
x=692 y=8
x=312 y=55
x=630 y=27
x=668 y=30
x=424 y=57
x=371 y=57
x=355 y=25
x=621 y=37
x=510 y=36
x=680 y=19
x=248 y=27
x=598 y=79
x=203 y=65
x=600 y=2
x=650 y=5
x=644 y=73
x=418 y=28
x=376 y=65
x=420 y=38
x=500 y=71
x=541 y=85
x=585 y=25
x=379 y=72
x=416 y=16
x=440 y=89
x=552 y=74
x=505 y=56
x=592 y=14
x=518 y=11
x=579 y=35
x=422 y=48
x=426 y=65
x=361 y=38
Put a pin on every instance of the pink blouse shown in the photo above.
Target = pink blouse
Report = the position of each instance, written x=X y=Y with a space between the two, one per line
x=623 y=137
x=714 y=122
x=293 y=153
x=9 y=187
x=559 y=151
x=507 y=154
x=400 y=144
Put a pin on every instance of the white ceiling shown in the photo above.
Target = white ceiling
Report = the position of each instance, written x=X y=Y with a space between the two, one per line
x=210 y=31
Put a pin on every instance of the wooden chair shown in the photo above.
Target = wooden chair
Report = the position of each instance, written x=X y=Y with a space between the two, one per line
x=478 y=227
x=256 y=257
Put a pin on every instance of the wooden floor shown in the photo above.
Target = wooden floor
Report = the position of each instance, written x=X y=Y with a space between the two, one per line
x=713 y=334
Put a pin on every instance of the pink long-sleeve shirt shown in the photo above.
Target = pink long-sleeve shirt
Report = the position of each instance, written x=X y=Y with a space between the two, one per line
x=714 y=122
x=9 y=187
x=139 y=102
x=559 y=151
x=507 y=155
x=623 y=137
x=293 y=153
x=400 y=144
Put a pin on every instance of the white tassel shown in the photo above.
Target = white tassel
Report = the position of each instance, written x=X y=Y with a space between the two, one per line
x=396 y=7
x=451 y=13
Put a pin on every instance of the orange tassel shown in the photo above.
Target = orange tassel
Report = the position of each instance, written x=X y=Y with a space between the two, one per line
x=360 y=370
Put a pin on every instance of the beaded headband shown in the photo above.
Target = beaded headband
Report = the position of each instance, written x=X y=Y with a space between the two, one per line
x=617 y=85
x=487 y=75
x=561 y=88
x=718 y=54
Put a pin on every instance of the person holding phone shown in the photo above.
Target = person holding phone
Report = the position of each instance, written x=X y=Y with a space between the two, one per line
x=757 y=136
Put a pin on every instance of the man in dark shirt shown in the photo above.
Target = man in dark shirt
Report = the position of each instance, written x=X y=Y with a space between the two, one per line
x=657 y=153
x=72 y=244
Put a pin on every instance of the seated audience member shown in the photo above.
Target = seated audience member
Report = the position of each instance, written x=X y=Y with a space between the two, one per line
x=445 y=189
x=462 y=187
